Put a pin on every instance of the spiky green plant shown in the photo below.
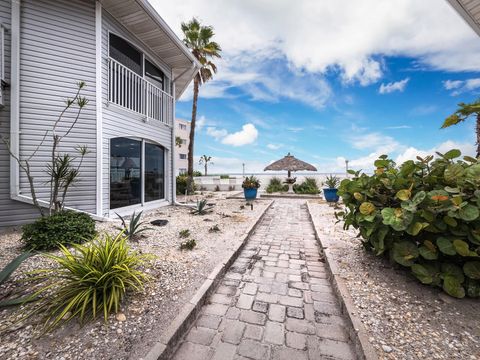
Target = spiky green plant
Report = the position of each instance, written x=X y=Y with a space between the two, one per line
x=332 y=181
x=5 y=274
x=134 y=227
x=185 y=233
x=201 y=208
x=88 y=280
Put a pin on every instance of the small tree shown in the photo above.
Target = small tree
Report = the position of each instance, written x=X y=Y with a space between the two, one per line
x=463 y=112
x=61 y=168
x=178 y=141
x=205 y=160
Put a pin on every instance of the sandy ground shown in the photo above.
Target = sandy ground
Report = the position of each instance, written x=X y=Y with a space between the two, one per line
x=177 y=275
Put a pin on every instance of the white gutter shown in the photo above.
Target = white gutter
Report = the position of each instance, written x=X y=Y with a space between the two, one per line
x=15 y=100
x=99 y=107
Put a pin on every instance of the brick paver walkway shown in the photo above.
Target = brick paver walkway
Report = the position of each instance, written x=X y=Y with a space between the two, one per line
x=275 y=302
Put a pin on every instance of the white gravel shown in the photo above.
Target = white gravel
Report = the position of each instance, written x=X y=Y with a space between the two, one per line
x=177 y=275
x=404 y=319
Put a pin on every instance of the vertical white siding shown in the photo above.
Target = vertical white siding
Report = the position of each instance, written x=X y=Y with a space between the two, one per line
x=11 y=212
x=118 y=122
x=57 y=49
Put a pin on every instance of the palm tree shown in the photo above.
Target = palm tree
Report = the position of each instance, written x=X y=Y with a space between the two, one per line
x=178 y=141
x=463 y=112
x=198 y=39
x=205 y=160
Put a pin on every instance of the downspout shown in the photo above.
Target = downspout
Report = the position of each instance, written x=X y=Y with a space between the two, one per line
x=174 y=183
x=15 y=114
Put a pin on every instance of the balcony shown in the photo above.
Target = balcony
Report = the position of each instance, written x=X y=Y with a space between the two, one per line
x=131 y=91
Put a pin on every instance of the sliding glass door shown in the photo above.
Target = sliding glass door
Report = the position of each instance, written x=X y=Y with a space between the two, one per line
x=137 y=172
x=154 y=172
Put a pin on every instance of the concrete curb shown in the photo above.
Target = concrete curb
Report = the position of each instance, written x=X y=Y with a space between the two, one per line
x=356 y=331
x=166 y=345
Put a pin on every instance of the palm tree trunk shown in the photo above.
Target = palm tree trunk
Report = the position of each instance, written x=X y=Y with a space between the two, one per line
x=192 y=134
x=478 y=135
x=205 y=169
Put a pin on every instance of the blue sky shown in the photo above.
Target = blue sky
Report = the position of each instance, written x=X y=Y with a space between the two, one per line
x=381 y=80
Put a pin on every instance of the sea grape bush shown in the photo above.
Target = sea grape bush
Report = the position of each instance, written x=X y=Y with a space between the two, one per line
x=424 y=215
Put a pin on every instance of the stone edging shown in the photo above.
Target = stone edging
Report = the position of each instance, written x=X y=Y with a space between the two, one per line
x=165 y=346
x=356 y=331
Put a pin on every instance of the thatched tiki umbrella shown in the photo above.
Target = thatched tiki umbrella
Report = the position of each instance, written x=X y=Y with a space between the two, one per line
x=290 y=163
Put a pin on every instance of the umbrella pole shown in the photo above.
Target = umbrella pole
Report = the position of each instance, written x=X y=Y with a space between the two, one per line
x=289 y=174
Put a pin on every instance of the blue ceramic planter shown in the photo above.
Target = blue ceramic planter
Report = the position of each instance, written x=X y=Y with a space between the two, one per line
x=250 y=194
x=331 y=195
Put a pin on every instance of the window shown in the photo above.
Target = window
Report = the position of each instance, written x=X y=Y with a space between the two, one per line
x=184 y=142
x=123 y=52
x=182 y=171
x=182 y=126
x=131 y=181
x=183 y=156
x=154 y=75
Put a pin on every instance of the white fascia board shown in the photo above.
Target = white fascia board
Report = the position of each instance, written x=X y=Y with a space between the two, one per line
x=470 y=20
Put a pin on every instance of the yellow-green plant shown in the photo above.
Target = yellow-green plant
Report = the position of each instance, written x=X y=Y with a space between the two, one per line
x=424 y=215
x=88 y=280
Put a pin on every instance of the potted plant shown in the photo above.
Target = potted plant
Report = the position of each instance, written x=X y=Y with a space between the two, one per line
x=331 y=192
x=250 y=186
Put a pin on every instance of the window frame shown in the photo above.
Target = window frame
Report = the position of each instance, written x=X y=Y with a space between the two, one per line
x=142 y=202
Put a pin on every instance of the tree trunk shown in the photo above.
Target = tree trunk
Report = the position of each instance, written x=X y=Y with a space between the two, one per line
x=192 y=134
x=205 y=169
x=478 y=135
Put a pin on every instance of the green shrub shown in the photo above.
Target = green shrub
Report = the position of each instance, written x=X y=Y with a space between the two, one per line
x=90 y=280
x=197 y=173
x=64 y=227
x=424 y=215
x=332 y=181
x=224 y=177
x=182 y=185
x=188 y=244
x=185 y=233
x=308 y=186
x=275 y=185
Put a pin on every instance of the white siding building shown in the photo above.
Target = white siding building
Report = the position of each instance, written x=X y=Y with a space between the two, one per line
x=182 y=130
x=134 y=67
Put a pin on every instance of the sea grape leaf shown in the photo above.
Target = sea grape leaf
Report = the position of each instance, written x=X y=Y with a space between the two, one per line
x=422 y=274
x=472 y=269
x=367 y=208
x=452 y=287
x=404 y=194
x=446 y=246
x=428 y=250
x=453 y=172
x=452 y=154
x=450 y=221
x=405 y=252
x=397 y=218
x=461 y=247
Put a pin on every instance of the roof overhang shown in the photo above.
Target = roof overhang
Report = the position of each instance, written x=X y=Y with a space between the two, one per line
x=470 y=11
x=142 y=20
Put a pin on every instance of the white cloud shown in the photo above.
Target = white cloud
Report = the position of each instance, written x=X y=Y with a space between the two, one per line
x=295 y=129
x=274 y=146
x=452 y=84
x=216 y=133
x=398 y=127
x=348 y=37
x=393 y=86
x=462 y=86
x=423 y=110
x=247 y=135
